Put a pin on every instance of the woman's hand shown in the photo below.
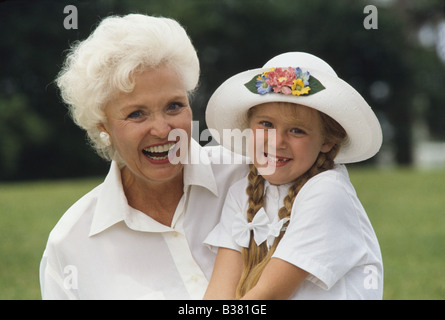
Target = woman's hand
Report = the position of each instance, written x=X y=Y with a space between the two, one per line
x=226 y=275
x=277 y=282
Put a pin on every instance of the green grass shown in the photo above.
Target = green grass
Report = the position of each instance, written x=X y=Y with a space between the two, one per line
x=406 y=208
x=28 y=212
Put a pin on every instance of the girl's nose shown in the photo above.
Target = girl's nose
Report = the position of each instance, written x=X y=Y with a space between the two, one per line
x=279 y=138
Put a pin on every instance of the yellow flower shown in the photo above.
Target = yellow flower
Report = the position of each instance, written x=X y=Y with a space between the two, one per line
x=265 y=73
x=298 y=88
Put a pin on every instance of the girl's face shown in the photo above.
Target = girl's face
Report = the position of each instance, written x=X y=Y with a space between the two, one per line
x=295 y=143
x=139 y=123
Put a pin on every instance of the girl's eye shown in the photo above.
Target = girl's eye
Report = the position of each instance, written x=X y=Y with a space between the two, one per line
x=297 y=131
x=266 y=124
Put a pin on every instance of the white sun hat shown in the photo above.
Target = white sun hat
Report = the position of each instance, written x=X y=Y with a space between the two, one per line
x=228 y=106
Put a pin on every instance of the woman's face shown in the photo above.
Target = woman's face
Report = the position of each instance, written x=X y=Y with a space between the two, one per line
x=295 y=146
x=139 y=123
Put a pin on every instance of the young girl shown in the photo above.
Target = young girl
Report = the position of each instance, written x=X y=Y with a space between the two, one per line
x=297 y=231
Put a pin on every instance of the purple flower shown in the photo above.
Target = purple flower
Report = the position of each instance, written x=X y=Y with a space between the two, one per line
x=302 y=75
x=262 y=86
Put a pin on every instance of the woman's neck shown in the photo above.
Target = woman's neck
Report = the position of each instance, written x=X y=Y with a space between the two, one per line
x=158 y=200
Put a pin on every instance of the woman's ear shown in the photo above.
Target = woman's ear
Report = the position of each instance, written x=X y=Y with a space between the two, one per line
x=104 y=136
x=101 y=128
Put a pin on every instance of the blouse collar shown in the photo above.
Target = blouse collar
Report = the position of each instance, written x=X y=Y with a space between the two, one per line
x=112 y=206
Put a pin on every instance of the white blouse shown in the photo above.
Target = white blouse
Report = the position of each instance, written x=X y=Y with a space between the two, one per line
x=329 y=235
x=104 y=249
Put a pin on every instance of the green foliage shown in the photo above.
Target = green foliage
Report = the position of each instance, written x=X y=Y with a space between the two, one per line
x=39 y=140
x=14 y=126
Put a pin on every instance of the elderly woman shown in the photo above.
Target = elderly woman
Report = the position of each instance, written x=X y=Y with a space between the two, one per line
x=138 y=235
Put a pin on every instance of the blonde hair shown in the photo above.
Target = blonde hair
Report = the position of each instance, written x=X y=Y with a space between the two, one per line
x=255 y=258
x=104 y=64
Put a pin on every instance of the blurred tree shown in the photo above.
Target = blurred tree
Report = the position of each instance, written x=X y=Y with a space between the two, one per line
x=387 y=66
x=429 y=71
x=37 y=138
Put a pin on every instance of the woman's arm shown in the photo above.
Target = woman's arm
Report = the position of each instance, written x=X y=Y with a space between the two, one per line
x=226 y=275
x=277 y=282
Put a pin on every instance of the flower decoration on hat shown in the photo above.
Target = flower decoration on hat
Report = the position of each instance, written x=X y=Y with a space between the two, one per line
x=287 y=81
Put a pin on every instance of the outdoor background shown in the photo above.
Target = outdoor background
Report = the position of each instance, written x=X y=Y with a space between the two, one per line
x=46 y=163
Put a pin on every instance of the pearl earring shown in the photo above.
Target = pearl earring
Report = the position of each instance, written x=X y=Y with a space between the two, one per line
x=105 y=137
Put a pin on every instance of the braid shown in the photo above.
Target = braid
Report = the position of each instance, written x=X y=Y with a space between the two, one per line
x=255 y=192
x=253 y=255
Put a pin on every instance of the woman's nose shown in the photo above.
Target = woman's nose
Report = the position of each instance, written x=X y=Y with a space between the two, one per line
x=160 y=127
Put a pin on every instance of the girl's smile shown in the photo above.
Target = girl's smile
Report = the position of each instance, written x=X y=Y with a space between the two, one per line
x=277 y=161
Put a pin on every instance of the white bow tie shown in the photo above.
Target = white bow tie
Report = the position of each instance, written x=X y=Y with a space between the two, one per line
x=275 y=229
x=262 y=229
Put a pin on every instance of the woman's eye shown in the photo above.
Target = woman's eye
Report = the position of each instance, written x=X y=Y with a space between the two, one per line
x=135 y=115
x=174 y=107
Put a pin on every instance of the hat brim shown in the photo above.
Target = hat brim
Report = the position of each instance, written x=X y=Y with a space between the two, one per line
x=228 y=106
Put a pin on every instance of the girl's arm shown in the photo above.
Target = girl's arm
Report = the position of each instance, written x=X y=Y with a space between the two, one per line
x=226 y=275
x=277 y=282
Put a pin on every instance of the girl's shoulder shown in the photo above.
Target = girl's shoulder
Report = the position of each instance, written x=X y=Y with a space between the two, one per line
x=333 y=182
x=328 y=194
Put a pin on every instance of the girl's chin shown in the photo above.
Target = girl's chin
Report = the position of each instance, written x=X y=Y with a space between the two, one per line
x=275 y=174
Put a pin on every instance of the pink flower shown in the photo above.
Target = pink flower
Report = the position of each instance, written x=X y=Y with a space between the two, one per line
x=281 y=80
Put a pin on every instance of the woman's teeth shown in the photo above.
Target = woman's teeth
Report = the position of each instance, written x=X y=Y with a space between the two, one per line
x=161 y=148
x=159 y=152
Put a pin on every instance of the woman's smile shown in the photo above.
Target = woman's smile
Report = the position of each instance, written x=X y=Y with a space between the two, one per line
x=159 y=153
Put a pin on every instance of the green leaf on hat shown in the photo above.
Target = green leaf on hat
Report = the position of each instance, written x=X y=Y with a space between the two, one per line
x=251 y=85
x=315 y=85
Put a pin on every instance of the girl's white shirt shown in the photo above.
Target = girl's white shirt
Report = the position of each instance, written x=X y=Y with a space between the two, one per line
x=329 y=235
x=102 y=248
